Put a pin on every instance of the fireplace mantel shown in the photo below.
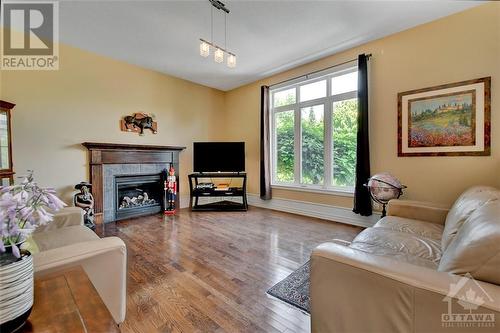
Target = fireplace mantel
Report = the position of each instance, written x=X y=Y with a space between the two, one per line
x=102 y=154
x=118 y=153
x=126 y=146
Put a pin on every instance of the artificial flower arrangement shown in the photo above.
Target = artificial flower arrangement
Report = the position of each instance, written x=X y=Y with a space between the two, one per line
x=23 y=208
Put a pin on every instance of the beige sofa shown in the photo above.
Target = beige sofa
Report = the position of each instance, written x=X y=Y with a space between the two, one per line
x=65 y=242
x=406 y=274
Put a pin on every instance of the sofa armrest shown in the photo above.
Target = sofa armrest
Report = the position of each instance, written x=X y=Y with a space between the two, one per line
x=418 y=210
x=355 y=291
x=66 y=217
x=105 y=262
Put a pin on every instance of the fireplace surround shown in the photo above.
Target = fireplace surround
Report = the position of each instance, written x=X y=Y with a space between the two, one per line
x=109 y=162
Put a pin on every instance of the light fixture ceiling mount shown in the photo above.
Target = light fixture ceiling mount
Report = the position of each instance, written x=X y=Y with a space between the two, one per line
x=219 y=52
x=219 y=5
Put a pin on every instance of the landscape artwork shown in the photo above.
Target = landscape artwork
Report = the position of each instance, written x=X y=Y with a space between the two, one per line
x=443 y=120
x=447 y=120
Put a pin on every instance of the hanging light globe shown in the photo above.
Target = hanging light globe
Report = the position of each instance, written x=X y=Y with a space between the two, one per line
x=231 y=61
x=218 y=55
x=204 y=49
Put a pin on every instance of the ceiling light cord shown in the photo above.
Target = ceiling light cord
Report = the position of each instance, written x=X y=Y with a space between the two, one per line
x=212 y=24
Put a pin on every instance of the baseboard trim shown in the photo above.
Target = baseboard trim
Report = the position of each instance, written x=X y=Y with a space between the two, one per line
x=322 y=211
x=184 y=200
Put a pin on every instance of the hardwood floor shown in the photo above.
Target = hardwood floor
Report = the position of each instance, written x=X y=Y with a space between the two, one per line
x=209 y=271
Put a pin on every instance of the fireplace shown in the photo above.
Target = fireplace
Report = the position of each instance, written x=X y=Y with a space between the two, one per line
x=137 y=195
x=108 y=162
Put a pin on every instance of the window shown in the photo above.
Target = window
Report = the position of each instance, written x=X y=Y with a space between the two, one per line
x=313 y=132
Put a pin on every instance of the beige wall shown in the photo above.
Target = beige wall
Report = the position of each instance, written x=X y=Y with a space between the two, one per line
x=84 y=101
x=460 y=47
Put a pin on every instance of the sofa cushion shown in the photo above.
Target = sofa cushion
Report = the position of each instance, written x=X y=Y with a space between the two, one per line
x=61 y=237
x=408 y=247
x=465 y=205
x=476 y=246
x=415 y=227
x=66 y=217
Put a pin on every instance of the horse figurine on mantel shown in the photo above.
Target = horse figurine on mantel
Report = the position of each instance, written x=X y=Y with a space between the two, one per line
x=138 y=122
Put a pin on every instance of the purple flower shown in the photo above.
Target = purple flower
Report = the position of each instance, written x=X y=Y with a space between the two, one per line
x=44 y=216
x=15 y=250
x=23 y=209
x=54 y=202
x=26 y=212
x=21 y=197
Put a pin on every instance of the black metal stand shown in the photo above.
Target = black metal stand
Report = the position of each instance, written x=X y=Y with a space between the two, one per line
x=222 y=205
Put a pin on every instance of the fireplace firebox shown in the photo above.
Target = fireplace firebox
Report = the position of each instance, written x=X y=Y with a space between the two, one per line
x=137 y=195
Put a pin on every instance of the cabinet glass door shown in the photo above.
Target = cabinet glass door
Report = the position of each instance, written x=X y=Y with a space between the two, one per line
x=6 y=172
x=4 y=141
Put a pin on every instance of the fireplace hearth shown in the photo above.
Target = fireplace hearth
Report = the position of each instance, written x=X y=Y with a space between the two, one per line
x=137 y=195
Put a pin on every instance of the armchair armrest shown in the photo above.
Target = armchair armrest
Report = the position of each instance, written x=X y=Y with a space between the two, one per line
x=418 y=210
x=355 y=291
x=66 y=217
x=105 y=262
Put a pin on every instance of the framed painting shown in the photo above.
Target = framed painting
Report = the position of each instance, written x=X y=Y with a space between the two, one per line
x=447 y=120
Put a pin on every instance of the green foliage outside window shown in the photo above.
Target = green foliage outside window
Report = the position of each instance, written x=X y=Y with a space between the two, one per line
x=285 y=146
x=313 y=153
x=344 y=142
x=344 y=145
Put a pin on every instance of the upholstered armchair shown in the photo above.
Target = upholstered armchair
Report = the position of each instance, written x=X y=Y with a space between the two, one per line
x=65 y=243
x=422 y=268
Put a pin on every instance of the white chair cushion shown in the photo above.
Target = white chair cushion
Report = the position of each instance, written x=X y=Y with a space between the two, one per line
x=476 y=247
x=402 y=246
x=465 y=205
x=61 y=237
x=415 y=227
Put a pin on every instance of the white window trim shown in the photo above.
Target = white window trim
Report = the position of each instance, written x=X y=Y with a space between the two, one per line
x=338 y=191
x=327 y=101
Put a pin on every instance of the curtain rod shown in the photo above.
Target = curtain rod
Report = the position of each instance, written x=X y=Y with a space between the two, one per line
x=368 y=56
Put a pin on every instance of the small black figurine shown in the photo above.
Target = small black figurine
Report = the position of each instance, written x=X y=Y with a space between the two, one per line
x=85 y=201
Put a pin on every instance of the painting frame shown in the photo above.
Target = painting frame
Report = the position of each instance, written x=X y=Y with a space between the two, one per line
x=479 y=123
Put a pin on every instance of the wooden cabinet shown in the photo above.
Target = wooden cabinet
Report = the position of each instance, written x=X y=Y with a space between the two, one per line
x=6 y=168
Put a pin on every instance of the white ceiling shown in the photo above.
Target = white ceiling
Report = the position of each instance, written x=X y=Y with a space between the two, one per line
x=267 y=36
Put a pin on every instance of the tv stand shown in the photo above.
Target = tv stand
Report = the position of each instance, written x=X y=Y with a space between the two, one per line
x=239 y=190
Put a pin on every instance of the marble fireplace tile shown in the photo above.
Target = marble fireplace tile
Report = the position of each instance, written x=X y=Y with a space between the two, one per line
x=152 y=168
x=112 y=170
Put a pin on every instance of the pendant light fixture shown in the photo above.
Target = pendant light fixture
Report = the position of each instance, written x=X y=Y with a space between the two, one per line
x=204 y=49
x=219 y=52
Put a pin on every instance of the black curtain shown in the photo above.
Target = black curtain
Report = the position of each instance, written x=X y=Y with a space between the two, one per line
x=362 y=199
x=265 y=154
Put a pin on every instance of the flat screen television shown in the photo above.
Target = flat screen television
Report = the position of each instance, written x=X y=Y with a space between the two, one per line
x=218 y=156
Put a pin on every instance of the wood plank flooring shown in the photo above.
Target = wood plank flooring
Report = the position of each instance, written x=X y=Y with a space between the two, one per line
x=209 y=271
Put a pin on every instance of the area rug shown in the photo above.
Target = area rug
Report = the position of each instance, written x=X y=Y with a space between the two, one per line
x=294 y=289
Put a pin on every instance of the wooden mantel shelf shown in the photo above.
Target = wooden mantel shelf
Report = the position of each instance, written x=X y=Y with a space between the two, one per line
x=124 y=146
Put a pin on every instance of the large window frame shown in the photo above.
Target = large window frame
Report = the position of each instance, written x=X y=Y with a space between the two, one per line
x=296 y=107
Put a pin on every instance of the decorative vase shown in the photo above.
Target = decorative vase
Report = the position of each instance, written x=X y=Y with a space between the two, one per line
x=16 y=289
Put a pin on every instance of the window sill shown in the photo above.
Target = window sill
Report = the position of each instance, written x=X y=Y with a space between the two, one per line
x=333 y=191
